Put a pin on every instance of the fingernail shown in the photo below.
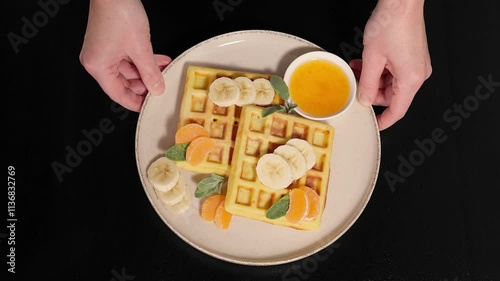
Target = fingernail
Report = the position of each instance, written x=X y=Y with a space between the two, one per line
x=364 y=100
x=157 y=89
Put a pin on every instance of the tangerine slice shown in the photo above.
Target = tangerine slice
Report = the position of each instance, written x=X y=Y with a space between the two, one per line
x=222 y=217
x=209 y=206
x=299 y=206
x=313 y=199
x=189 y=132
x=198 y=149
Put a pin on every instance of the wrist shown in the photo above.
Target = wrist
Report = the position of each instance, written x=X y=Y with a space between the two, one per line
x=402 y=7
x=113 y=2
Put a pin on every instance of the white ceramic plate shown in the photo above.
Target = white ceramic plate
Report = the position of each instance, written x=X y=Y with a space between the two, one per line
x=354 y=165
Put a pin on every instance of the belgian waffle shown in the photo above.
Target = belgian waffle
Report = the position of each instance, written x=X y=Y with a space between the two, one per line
x=221 y=122
x=246 y=196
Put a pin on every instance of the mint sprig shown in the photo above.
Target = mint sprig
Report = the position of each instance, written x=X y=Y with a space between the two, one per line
x=279 y=209
x=287 y=108
x=272 y=109
x=177 y=152
x=283 y=92
x=280 y=87
x=209 y=185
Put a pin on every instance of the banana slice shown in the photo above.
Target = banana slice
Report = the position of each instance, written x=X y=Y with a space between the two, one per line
x=174 y=195
x=306 y=149
x=224 y=91
x=274 y=171
x=265 y=91
x=248 y=92
x=181 y=206
x=295 y=159
x=163 y=174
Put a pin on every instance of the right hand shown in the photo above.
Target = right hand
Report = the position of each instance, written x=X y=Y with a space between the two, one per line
x=117 y=52
x=396 y=60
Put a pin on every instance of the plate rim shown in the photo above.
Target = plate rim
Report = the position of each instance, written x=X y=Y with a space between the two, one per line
x=253 y=262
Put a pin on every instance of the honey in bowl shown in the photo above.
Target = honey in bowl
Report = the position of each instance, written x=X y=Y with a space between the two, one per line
x=321 y=84
x=319 y=87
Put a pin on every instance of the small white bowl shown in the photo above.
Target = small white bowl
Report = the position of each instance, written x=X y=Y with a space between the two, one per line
x=330 y=57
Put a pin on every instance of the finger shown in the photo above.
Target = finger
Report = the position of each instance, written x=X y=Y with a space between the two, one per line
x=384 y=96
x=151 y=75
x=162 y=60
x=355 y=65
x=128 y=70
x=399 y=104
x=357 y=74
x=369 y=80
x=114 y=85
x=137 y=87
x=385 y=80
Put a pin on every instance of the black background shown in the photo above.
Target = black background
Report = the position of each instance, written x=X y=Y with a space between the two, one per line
x=441 y=223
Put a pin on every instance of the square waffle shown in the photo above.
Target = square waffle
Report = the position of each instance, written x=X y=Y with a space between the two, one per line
x=246 y=196
x=221 y=122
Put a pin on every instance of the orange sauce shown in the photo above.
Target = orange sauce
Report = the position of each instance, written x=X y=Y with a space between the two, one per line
x=319 y=88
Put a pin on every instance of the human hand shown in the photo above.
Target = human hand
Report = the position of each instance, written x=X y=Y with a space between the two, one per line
x=117 y=52
x=395 y=60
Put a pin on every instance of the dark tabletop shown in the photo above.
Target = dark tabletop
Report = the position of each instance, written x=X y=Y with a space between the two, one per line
x=434 y=219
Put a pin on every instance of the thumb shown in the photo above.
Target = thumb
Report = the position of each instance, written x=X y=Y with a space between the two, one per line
x=148 y=69
x=369 y=80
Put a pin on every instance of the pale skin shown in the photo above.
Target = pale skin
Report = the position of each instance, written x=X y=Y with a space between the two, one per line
x=395 y=60
x=118 y=53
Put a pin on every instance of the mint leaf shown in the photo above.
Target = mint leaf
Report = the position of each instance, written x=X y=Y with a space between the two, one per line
x=272 y=109
x=177 y=152
x=209 y=185
x=280 y=87
x=217 y=177
x=290 y=107
x=278 y=209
